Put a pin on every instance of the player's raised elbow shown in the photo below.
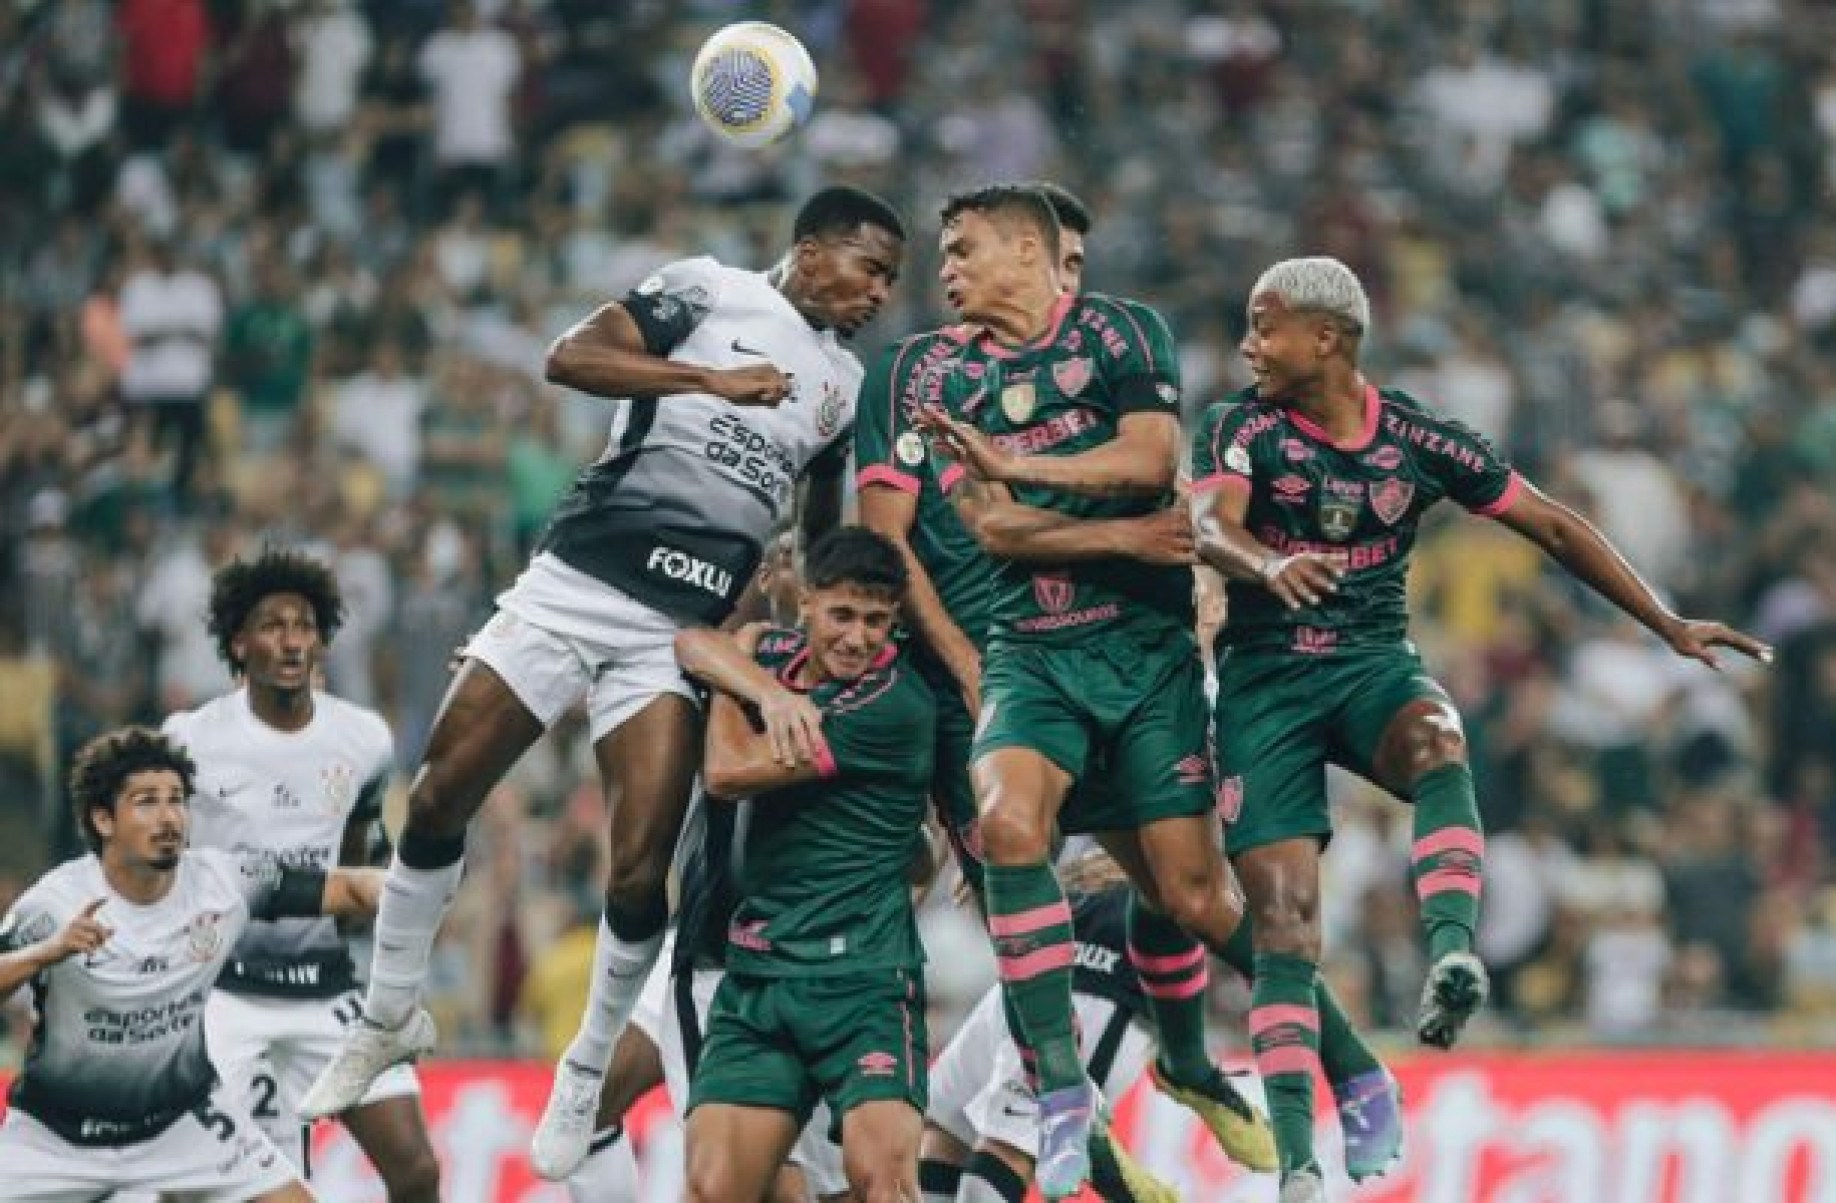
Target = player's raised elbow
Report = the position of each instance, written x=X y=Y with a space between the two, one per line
x=560 y=364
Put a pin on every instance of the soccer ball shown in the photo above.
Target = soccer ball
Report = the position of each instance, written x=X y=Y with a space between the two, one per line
x=753 y=83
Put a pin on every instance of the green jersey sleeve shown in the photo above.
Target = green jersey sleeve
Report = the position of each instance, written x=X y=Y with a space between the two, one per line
x=878 y=426
x=882 y=728
x=1135 y=353
x=1469 y=469
x=888 y=447
x=1221 y=446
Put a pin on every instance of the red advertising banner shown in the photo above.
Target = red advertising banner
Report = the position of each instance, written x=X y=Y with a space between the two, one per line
x=1648 y=1127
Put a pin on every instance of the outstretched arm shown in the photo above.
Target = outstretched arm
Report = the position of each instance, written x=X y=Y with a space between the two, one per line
x=1574 y=543
x=1225 y=544
x=1143 y=458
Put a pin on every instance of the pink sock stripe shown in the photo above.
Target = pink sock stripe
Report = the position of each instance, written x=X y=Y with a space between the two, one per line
x=1449 y=839
x=1261 y=1019
x=1179 y=962
x=1033 y=964
x=1056 y=914
x=1287 y=1059
x=1447 y=881
x=1180 y=989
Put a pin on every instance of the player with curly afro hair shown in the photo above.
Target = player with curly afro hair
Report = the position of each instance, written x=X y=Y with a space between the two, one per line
x=239 y=588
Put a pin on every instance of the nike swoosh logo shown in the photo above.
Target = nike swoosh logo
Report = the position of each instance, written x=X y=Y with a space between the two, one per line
x=743 y=349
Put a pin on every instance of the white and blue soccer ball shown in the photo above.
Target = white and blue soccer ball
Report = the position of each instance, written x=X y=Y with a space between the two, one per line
x=753 y=83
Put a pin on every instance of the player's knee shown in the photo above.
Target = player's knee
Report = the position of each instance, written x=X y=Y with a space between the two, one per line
x=1195 y=897
x=1430 y=741
x=636 y=887
x=436 y=808
x=413 y=1177
x=710 y=1179
x=1012 y=835
x=879 y=1178
x=1289 y=923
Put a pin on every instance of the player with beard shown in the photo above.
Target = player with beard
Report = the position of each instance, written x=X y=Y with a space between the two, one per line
x=121 y=948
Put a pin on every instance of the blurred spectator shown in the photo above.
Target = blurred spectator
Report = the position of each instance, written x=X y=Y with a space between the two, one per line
x=165 y=45
x=332 y=40
x=471 y=70
x=267 y=352
x=171 y=315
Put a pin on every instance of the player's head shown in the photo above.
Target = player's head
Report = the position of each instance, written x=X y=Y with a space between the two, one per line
x=273 y=615
x=1304 y=315
x=778 y=579
x=845 y=253
x=1074 y=224
x=853 y=585
x=996 y=240
x=131 y=792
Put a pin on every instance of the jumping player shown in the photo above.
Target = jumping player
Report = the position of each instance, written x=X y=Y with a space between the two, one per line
x=730 y=387
x=1067 y=407
x=948 y=605
x=122 y=947
x=292 y=776
x=1306 y=495
x=824 y=994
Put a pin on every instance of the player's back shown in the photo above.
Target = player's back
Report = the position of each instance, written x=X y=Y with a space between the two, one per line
x=285 y=798
x=676 y=511
x=118 y=1051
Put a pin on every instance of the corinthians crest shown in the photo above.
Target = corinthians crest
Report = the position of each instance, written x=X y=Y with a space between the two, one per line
x=204 y=936
x=337 y=787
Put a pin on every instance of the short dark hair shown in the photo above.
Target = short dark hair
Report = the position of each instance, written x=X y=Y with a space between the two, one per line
x=854 y=555
x=1021 y=201
x=103 y=765
x=239 y=586
x=840 y=209
x=1072 y=213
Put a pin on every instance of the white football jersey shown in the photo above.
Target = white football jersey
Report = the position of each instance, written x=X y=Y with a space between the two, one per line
x=676 y=512
x=117 y=1051
x=284 y=798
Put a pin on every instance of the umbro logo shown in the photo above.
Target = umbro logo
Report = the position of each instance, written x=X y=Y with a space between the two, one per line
x=743 y=349
x=877 y=1065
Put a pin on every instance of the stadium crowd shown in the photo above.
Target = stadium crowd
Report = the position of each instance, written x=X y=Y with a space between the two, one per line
x=285 y=271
